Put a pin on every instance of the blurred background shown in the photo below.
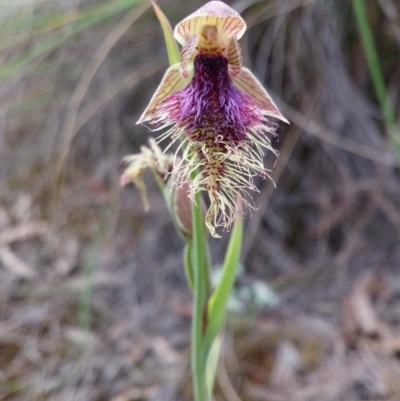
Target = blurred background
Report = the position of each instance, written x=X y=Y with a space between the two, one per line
x=93 y=300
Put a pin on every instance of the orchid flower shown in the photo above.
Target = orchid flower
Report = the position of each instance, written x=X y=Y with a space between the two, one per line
x=219 y=112
x=161 y=164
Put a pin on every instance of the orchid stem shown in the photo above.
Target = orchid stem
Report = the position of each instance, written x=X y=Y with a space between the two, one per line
x=188 y=264
x=200 y=298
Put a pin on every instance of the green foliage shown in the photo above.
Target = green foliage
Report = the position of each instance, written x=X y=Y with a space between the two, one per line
x=219 y=298
x=377 y=74
x=170 y=42
x=212 y=364
x=75 y=22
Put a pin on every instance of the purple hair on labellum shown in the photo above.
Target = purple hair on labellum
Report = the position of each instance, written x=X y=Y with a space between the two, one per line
x=211 y=102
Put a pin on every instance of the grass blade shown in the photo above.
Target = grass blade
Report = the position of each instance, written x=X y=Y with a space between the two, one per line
x=170 y=42
x=82 y=22
x=377 y=74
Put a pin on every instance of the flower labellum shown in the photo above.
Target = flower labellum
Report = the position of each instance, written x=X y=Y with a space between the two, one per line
x=218 y=110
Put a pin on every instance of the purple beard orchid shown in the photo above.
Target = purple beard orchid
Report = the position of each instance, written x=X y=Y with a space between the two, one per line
x=218 y=110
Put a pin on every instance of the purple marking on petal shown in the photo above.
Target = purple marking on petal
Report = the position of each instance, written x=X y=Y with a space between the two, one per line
x=211 y=104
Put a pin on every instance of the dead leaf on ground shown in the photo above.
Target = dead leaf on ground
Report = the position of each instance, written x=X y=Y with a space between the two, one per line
x=361 y=326
x=15 y=264
x=136 y=393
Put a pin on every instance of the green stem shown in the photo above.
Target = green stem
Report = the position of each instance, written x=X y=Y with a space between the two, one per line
x=376 y=74
x=187 y=259
x=200 y=295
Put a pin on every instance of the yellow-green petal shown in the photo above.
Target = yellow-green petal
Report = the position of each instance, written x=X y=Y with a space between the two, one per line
x=234 y=57
x=187 y=51
x=214 y=13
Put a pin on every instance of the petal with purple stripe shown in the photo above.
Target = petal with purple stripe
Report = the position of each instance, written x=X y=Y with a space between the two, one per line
x=187 y=51
x=235 y=58
x=228 y=21
x=171 y=83
x=246 y=82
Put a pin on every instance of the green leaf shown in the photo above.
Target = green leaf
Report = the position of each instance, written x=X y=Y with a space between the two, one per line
x=367 y=38
x=212 y=364
x=200 y=294
x=170 y=42
x=219 y=298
